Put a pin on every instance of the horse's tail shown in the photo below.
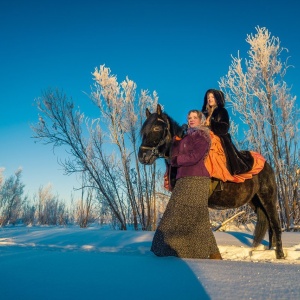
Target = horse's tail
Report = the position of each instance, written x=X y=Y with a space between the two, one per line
x=262 y=225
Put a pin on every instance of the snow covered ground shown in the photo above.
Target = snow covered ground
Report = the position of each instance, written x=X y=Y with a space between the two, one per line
x=98 y=263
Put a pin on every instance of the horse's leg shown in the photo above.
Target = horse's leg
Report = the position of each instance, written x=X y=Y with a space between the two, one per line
x=275 y=232
x=272 y=238
x=263 y=223
x=267 y=194
x=269 y=210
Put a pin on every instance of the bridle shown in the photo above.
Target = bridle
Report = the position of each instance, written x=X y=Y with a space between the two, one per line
x=166 y=138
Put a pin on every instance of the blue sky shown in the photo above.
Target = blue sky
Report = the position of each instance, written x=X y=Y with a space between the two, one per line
x=178 y=48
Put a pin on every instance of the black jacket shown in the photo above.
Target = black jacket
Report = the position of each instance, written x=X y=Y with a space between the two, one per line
x=238 y=162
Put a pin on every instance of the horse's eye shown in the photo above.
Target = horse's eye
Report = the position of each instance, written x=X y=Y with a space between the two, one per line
x=157 y=128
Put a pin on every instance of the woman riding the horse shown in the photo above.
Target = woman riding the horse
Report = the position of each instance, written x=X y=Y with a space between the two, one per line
x=224 y=161
x=217 y=119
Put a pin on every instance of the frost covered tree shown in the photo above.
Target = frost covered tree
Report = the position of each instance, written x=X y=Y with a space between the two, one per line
x=11 y=198
x=104 y=150
x=123 y=115
x=258 y=93
x=50 y=209
x=84 y=207
x=28 y=213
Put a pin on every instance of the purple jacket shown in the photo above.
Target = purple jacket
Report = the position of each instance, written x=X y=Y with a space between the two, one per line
x=188 y=154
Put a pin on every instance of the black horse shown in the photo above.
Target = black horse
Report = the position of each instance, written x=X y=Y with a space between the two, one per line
x=260 y=192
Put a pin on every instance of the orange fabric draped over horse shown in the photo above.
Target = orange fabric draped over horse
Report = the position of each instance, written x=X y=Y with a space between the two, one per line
x=216 y=163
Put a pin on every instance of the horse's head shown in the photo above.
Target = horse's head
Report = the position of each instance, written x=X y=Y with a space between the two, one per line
x=156 y=137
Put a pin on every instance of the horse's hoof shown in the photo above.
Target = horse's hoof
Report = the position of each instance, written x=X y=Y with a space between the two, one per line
x=215 y=256
x=280 y=255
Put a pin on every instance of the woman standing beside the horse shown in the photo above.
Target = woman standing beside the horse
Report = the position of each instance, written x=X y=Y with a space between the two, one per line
x=217 y=119
x=184 y=230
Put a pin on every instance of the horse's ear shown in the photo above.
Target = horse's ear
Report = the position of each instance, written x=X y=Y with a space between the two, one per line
x=148 y=113
x=158 y=109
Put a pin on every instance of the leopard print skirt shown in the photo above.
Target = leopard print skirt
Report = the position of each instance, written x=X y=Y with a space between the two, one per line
x=184 y=229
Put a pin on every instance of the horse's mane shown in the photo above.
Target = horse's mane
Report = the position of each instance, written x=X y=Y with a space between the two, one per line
x=174 y=126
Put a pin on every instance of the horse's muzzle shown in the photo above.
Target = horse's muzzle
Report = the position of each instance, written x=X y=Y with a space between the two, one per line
x=146 y=156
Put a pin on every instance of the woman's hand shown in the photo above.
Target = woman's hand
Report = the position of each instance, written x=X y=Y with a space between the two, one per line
x=207 y=122
x=211 y=110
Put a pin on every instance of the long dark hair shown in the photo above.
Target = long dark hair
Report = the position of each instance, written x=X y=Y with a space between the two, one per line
x=219 y=96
